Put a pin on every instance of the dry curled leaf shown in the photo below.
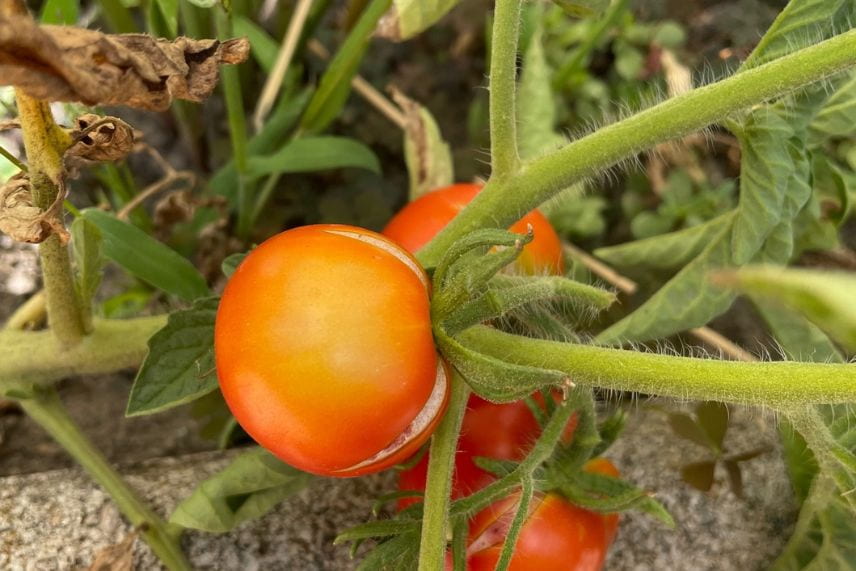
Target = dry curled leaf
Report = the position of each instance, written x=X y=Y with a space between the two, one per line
x=22 y=220
x=98 y=138
x=61 y=63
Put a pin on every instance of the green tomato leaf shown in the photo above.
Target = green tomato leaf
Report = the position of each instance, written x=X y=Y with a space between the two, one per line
x=801 y=23
x=838 y=115
x=687 y=300
x=180 y=364
x=167 y=12
x=536 y=108
x=62 y=12
x=798 y=338
x=601 y=493
x=204 y=3
x=336 y=83
x=231 y=263
x=253 y=484
x=667 y=251
x=408 y=18
x=86 y=243
x=308 y=154
x=765 y=171
x=824 y=297
x=426 y=153
x=146 y=258
x=376 y=529
x=400 y=552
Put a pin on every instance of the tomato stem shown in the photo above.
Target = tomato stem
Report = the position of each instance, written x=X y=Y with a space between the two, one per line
x=780 y=385
x=441 y=459
x=47 y=410
x=505 y=199
x=503 y=82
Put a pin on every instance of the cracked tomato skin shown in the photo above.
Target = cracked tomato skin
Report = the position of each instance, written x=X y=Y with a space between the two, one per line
x=422 y=219
x=324 y=350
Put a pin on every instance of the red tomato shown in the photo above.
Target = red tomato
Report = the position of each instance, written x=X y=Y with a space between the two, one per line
x=500 y=431
x=556 y=536
x=423 y=218
x=324 y=350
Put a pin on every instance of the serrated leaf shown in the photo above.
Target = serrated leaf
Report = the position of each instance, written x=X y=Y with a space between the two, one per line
x=713 y=419
x=246 y=489
x=687 y=300
x=536 y=108
x=400 y=552
x=838 y=114
x=801 y=22
x=699 y=475
x=426 y=153
x=666 y=251
x=62 y=12
x=86 y=243
x=408 y=18
x=824 y=297
x=602 y=493
x=180 y=364
x=231 y=263
x=765 y=171
x=686 y=427
x=335 y=85
x=146 y=258
x=308 y=154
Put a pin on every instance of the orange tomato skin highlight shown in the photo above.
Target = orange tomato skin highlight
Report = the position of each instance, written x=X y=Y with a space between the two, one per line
x=324 y=347
x=419 y=221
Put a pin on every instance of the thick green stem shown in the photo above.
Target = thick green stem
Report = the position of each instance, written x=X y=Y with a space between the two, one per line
x=37 y=357
x=231 y=81
x=47 y=410
x=441 y=461
x=503 y=83
x=45 y=144
x=778 y=385
x=505 y=200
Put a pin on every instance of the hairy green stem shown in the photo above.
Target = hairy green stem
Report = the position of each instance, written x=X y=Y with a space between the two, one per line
x=231 y=81
x=505 y=200
x=37 y=357
x=45 y=144
x=503 y=83
x=441 y=462
x=778 y=385
x=526 y=490
x=47 y=410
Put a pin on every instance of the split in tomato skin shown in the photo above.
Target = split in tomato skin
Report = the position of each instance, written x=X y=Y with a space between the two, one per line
x=419 y=221
x=324 y=350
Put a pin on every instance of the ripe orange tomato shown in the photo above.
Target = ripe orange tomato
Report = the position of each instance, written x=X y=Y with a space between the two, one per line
x=324 y=350
x=422 y=219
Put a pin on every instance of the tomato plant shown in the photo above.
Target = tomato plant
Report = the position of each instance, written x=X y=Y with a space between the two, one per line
x=324 y=350
x=498 y=431
x=418 y=222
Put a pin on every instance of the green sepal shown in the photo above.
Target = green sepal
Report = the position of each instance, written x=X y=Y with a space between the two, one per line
x=606 y=494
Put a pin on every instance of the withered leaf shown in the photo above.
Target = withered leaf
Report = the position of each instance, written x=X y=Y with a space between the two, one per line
x=22 y=220
x=100 y=138
x=118 y=557
x=60 y=63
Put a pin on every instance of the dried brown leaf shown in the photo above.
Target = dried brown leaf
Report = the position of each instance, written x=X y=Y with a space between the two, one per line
x=119 y=557
x=100 y=138
x=22 y=220
x=61 y=63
